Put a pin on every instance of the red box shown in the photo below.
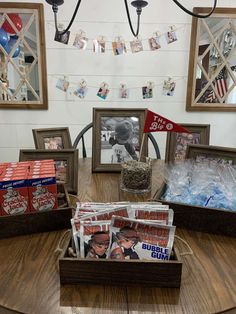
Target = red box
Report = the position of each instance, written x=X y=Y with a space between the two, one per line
x=42 y=192
x=14 y=198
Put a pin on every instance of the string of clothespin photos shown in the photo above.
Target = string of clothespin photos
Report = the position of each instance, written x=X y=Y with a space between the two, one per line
x=81 y=89
x=118 y=45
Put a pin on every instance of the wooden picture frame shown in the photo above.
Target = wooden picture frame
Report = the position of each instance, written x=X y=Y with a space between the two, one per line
x=176 y=142
x=66 y=164
x=52 y=138
x=23 y=83
x=211 y=74
x=126 y=121
x=214 y=154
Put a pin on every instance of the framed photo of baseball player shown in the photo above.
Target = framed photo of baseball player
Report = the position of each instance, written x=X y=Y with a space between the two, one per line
x=117 y=137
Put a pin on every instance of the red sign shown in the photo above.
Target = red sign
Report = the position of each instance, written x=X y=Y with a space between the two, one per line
x=156 y=123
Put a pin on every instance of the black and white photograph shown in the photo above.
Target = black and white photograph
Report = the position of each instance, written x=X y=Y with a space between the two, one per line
x=64 y=39
x=117 y=137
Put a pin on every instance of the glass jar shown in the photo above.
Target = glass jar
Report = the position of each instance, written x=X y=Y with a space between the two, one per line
x=136 y=176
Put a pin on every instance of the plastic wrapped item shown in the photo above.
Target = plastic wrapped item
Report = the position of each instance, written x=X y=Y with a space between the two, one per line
x=201 y=184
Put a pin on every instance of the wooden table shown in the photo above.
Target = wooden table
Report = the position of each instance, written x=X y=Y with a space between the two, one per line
x=29 y=279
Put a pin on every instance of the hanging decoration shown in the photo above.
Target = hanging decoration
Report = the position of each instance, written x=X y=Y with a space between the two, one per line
x=169 y=87
x=147 y=90
x=103 y=90
x=62 y=38
x=99 y=44
x=82 y=89
x=154 y=42
x=63 y=84
x=118 y=46
x=81 y=40
x=171 y=35
x=136 y=45
x=123 y=91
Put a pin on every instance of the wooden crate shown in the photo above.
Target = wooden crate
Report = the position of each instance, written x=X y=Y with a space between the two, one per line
x=55 y=219
x=113 y=272
x=204 y=219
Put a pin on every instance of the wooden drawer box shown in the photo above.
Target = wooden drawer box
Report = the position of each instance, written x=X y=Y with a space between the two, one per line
x=56 y=219
x=131 y=272
x=212 y=220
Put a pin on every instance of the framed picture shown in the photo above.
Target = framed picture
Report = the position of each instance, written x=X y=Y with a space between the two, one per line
x=117 y=135
x=66 y=164
x=23 y=56
x=211 y=154
x=55 y=138
x=176 y=143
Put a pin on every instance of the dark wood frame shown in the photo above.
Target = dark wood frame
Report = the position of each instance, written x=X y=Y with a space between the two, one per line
x=40 y=134
x=98 y=113
x=70 y=155
x=120 y=272
x=194 y=47
x=202 y=129
x=39 y=9
x=226 y=153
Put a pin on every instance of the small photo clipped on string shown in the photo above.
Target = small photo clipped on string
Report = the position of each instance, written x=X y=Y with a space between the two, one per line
x=99 y=45
x=171 y=35
x=154 y=42
x=169 y=87
x=103 y=91
x=147 y=91
x=80 y=41
x=118 y=46
x=81 y=90
x=123 y=92
x=62 y=84
x=64 y=39
x=136 y=45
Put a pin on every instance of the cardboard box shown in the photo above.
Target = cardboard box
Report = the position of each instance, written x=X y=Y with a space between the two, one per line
x=34 y=222
x=42 y=191
x=204 y=219
x=14 y=197
x=116 y=272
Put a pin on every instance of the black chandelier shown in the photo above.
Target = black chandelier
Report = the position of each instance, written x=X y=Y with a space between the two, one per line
x=138 y=4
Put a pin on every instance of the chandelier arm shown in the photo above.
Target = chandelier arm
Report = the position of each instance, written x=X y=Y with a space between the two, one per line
x=130 y=23
x=194 y=14
x=71 y=21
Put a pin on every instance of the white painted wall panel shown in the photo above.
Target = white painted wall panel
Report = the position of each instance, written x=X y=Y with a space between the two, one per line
x=108 y=18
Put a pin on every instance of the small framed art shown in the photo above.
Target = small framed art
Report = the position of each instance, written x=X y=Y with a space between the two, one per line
x=176 y=143
x=66 y=164
x=117 y=135
x=54 y=138
x=212 y=154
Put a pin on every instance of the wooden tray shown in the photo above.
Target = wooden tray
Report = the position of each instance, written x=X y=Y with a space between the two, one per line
x=212 y=220
x=130 y=272
x=55 y=219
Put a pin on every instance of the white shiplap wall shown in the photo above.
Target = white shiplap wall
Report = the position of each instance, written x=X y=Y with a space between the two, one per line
x=108 y=18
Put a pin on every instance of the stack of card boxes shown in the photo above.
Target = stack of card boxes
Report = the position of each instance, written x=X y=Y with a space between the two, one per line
x=14 y=197
x=27 y=187
x=42 y=185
